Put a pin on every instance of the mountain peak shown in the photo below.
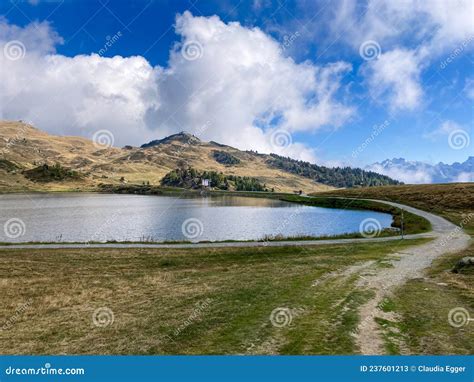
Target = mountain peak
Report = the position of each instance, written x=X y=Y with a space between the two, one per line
x=394 y=161
x=181 y=137
x=421 y=172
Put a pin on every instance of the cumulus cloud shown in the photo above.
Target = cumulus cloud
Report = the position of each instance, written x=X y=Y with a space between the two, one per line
x=435 y=24
x=224 y=82
x=40 y=38
x=410 y=32
x=395 y=76
x=73 y=95
x=242 y=87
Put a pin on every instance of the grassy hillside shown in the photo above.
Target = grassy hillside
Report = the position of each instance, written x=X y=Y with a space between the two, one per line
x=424 y=304
x=197 y=301
x=23 y=148
x=453 y=201
x=222 y=300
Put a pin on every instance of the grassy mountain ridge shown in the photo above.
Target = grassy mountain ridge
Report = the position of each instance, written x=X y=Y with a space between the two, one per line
x=24 y=148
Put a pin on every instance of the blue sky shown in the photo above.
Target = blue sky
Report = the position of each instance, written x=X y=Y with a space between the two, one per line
x=418 y=78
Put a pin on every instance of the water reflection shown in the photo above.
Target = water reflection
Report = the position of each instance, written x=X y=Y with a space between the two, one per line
x=98 y=217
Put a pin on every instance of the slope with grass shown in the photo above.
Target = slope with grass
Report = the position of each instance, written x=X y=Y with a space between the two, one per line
x=454 y=201
x=23 y=148
x=266 y=300
x=329 y=299
x=414 y=318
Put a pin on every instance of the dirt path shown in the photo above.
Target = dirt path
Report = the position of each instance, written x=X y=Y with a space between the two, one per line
x=410 y=264
x=239 y=244
x=448 y=239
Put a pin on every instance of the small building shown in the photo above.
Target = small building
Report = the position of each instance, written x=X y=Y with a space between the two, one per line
x=206 y=182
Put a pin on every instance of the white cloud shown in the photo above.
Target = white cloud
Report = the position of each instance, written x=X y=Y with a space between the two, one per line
x=74 y=95
x=237 y=90
x=422 y=172
x=39 y=38
x=243 y=87
x=434 y=23
x=411 y=33
x=409 y=176
x=445 y=128
x=465 y=177
x=395 y=76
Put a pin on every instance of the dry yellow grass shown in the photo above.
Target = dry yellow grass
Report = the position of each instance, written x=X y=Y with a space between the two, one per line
x=454 y=201
x=423 y=304
x=27 y=147
x=177 y=301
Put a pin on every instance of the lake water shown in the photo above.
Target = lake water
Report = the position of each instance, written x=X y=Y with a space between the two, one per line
x=103 y=217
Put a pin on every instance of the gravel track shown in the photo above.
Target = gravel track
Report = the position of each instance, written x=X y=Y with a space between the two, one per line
x=448 y=238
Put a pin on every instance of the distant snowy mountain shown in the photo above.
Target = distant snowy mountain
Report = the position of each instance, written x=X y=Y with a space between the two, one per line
x=420 y=172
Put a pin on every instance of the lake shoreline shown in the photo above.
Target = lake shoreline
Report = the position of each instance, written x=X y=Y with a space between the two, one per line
x=413 y=224
x=93 y=217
